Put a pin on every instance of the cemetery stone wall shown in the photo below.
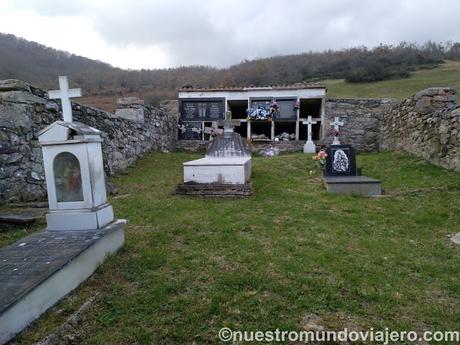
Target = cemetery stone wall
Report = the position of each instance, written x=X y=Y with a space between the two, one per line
x=363 y=119
x=25 y=110
x=426 y=125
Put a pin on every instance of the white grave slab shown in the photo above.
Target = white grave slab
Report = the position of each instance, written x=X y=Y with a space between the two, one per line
x=218 y=170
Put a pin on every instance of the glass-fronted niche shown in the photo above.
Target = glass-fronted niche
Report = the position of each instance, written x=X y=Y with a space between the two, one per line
x=67 y=177
x=285 y=108
x=198 y=116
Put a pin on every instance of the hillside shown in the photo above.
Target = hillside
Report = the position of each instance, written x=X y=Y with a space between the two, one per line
x=446 y=74
x=384 y=70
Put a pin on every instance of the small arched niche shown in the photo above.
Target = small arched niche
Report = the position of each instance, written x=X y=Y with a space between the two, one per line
x=67 y=178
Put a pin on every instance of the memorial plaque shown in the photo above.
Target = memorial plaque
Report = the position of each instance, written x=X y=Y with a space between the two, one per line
x=341 y=161
x=286 y=109
x=192 y=131
x=202 y=109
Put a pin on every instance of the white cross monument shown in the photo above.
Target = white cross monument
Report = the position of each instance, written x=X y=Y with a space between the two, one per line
x=64 y=94
x=336 y=123
x=309 y=146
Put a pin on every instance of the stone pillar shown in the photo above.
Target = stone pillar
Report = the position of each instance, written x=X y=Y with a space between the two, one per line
x=130 y=108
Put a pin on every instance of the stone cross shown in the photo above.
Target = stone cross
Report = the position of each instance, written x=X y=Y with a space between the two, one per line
x=64 y=94
x=336 y=123
x=309 y=123
x=309 y=146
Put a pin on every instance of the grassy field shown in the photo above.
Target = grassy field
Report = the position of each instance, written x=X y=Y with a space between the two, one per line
x=192 y=266
x=447 y=74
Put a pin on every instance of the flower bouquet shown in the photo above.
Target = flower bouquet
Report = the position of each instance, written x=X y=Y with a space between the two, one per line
x=320 y=157
x=263 y=112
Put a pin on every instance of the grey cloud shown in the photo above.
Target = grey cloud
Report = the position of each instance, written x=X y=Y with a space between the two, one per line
x=223 y=32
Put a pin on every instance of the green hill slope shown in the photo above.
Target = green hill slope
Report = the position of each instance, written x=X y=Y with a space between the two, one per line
x=447 y=74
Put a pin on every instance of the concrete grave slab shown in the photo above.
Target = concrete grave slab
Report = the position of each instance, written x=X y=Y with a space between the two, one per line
x=361 y=185
x=40 y=269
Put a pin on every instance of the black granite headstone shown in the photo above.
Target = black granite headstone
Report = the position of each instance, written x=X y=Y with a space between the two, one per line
x=340 y=161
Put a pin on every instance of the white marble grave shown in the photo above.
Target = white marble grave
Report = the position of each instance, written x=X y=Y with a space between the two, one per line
x=227 y=161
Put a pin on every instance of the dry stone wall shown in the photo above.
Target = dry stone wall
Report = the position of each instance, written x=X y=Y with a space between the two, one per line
x=362 y=121
x=25 y=110
x=426 y=125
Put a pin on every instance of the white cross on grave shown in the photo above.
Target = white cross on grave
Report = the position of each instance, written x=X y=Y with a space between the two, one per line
x=64 y=94
x=309 y=146
x=336 y=123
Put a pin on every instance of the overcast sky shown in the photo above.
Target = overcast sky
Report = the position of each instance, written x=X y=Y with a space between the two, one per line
x=155 y=34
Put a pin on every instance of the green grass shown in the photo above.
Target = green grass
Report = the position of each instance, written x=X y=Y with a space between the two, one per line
x=447 y=74
x=192 y=266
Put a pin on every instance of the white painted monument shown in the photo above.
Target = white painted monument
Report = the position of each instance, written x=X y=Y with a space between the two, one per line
x=48 y=265
x=309 y=146
x=336 y=123
x=74 y=171
x=227 y=161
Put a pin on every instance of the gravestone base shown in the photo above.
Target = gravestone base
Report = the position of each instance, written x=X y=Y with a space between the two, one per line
x=40 y=269
x=80 y=219
x=309 y=147
x=361 y=185
x=214 y=189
